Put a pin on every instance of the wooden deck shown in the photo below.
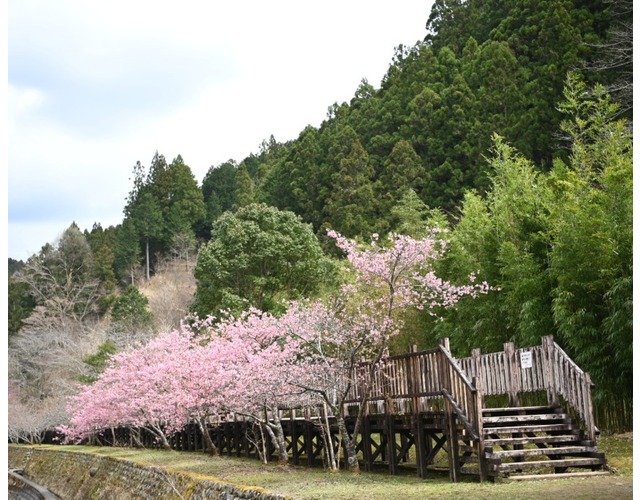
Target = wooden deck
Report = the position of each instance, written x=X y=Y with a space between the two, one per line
x=428 y=410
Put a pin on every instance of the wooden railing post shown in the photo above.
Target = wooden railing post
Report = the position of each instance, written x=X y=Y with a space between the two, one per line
x=445 y=343
x=413 y=380
x=513 y=374
x=549 y=370
x=477 y=369
x=479 y=425
x=589 y=420
x=445 y=377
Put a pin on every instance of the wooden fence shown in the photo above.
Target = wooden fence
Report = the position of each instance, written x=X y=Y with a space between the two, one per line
x=540 y=368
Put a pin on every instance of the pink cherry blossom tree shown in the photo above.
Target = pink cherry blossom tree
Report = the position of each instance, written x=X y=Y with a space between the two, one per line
x=262 y=358
x=337 y=335
x=134 y=391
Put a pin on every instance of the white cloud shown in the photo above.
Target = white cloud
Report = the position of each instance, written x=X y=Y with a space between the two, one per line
x=96 y=86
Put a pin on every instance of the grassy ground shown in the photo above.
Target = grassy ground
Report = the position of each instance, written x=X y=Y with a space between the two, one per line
x=307 y=483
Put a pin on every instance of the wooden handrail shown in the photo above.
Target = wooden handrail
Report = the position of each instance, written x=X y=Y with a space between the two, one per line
x=573 y=384
x=461 y=415
x=461 y=393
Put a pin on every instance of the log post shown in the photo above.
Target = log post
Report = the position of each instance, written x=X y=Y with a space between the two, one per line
x=479 y=425
x=477 y=370
x=513 y=374
x=445 y=343
x=421 y=447
x=589 y=420
x=549 y=369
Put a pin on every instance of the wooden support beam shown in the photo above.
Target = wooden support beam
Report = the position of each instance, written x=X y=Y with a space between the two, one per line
x=366 y=444
x=391 y=445
x=452 y=443
x=439 y=445
x=421 y=446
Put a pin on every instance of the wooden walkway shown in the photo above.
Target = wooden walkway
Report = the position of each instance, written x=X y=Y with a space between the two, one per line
x=428 y=410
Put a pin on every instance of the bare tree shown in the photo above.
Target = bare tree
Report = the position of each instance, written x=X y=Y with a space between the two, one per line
x=183 y=247
x=62 y=279
x=615 y=54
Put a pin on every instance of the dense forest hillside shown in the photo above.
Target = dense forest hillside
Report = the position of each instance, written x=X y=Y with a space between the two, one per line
x=508 y=127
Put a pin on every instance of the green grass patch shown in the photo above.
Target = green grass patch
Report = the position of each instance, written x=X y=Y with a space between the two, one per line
x=619 y=452
x=315 y=483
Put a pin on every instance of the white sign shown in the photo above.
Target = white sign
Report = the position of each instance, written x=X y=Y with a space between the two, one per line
x=525 y=359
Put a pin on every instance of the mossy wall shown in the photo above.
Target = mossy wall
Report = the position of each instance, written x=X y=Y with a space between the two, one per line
x=76 y=475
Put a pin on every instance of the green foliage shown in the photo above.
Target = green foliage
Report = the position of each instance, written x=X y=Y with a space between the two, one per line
x=183 y=208
x=96 y=363
x=19 y=304
x=593 y=240
x=127 y=251
x=559 y=248
x=351 y=205
x=15 y=266
x=102 y=243
x=162 y=203
x=258 y=256
x=412 y=217
x=130 y=309
x=218 y=190
x=244 y=192
x=504 y=239
x=298 y=180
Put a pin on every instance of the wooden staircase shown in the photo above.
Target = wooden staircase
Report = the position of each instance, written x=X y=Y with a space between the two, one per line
x=537 y=442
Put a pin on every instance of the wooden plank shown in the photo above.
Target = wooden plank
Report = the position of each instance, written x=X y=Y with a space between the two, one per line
x=527 y=428
x=391 y=445
x=421 y=447
x=524 y=418
x=565 y=438
x=366 y=444
x=568 y=462
x=568 y=475
x=536 y=452
x=516 y=409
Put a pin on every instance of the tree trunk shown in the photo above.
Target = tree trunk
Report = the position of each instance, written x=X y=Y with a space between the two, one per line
x=134 y=436
x=159 y=433
x=147 y=252
x=209 y=446
x=350 y=449
x=276 y=433
x=331 y=456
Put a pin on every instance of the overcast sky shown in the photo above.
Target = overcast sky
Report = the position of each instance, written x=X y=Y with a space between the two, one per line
x=95 y=86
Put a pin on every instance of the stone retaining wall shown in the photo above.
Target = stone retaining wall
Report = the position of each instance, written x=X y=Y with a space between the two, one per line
x=77 y=475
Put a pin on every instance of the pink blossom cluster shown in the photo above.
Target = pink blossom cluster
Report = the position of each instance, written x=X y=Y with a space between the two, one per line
x=238 y=365
x=403 y=270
